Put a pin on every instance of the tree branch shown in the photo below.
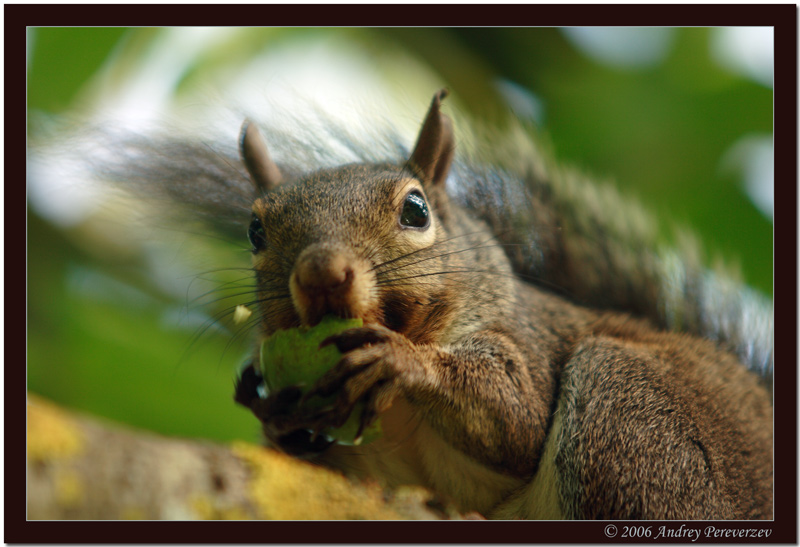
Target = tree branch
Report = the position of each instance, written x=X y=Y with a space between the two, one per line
x=78 y=468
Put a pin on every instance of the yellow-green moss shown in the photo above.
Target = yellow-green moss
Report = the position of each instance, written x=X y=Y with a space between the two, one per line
x=283 y=488
x=69 y=489
x=205 y=509
x=133 y=513
x=51 y=435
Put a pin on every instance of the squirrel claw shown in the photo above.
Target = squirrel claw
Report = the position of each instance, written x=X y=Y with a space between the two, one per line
x=276 y=405
x=330 y=416
x=246 y=386
x=368 y=417
x=299 y=443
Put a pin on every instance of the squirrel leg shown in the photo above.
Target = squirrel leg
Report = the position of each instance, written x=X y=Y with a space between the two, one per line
x=636 y=442
x=479 y=395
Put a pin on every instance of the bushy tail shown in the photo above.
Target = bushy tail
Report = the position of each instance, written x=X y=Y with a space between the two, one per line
x=584 y=239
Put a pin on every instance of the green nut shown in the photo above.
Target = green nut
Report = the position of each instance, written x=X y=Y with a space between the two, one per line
x=293 y=357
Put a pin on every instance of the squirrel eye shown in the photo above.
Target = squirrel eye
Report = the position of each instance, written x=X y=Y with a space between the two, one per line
x=415 y=211
x=256 y=235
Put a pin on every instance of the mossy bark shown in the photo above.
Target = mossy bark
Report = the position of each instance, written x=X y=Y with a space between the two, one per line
x=79 y=468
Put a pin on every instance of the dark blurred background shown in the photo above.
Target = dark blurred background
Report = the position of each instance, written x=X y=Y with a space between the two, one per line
x=679 y=118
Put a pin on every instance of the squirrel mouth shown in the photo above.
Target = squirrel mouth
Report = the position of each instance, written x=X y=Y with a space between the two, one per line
x=312 y=307
x=312 y=315
x=330 y=279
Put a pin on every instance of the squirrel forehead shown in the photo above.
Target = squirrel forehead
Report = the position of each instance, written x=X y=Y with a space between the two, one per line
x=345 y=190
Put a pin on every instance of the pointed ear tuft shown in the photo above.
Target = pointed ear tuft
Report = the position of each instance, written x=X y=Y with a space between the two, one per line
x=433 y=152
x=263 y=171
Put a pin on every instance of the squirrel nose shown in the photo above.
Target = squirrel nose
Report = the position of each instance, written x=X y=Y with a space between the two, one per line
x=323 y=271
x=325 y=281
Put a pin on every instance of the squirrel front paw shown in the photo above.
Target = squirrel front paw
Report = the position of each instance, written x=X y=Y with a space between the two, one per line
x=277 y=413
x=377 y=365
x=375 y=361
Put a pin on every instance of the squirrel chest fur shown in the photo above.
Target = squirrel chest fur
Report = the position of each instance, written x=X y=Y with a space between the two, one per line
x=494 y=392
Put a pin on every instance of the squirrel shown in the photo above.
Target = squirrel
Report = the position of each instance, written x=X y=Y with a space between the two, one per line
x=530 y=354
x=509 y=399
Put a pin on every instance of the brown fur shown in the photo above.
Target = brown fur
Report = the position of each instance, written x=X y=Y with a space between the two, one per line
x=476 y=374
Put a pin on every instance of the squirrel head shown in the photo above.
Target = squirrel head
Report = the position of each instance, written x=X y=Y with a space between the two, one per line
x=362 y=240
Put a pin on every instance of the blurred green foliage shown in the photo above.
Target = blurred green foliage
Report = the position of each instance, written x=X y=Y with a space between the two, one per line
x=64 y=59
x=658 y=131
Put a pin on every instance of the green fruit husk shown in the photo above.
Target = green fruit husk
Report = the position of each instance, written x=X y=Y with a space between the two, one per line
x=293 y=357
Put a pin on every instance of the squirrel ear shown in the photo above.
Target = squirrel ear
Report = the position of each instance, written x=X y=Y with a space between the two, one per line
x=263 y=171
x=433 y=152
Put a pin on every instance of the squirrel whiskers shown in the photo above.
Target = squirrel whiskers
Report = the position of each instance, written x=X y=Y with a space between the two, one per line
x=530 y=348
